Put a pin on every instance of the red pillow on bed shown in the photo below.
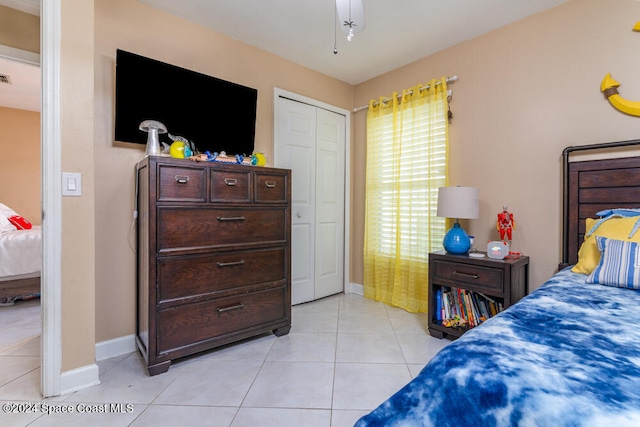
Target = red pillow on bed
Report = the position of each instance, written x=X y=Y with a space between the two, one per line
x=19 y=222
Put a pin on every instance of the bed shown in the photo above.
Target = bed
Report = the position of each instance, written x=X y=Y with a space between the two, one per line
x=568 y=354
x=20 y=258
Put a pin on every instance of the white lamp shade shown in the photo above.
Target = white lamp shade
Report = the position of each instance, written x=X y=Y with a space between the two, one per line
x=458 y=202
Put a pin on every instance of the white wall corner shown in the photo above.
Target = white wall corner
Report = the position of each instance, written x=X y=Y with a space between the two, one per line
x=19 y=55
x=79 y=378
x=115 y=347
x=356 y=288
x=88 y=376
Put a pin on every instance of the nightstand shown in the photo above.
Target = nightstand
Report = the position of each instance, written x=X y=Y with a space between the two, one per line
x=504 y=282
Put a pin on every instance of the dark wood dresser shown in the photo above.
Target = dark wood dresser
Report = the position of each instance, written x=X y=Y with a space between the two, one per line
x=214 y=256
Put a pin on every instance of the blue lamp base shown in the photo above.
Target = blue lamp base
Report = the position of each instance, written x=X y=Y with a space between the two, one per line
x=457 y=241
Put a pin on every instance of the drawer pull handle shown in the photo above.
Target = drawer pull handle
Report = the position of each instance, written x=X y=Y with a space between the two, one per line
x=462 y=273
x=270 y=184
x=230 y=181
x=230 y=264
x=229 y=308
x=230 y=218
x=182 y=179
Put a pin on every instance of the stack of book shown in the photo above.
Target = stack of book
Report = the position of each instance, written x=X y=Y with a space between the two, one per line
x=460 y=307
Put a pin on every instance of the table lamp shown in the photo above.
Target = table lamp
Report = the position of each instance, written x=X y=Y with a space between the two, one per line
x=457 y=202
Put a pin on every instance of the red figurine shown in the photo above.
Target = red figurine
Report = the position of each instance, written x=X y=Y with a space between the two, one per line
x=506 y=223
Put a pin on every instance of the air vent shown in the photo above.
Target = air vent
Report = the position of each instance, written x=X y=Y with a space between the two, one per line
x=4 y=78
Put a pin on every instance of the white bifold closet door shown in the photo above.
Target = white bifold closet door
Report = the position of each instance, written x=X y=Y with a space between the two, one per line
x=311 y=142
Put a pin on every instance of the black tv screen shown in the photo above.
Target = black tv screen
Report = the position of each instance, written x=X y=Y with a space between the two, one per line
x=214 y=114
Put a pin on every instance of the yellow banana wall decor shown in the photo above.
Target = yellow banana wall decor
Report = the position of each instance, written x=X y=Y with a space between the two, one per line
x=609 y=87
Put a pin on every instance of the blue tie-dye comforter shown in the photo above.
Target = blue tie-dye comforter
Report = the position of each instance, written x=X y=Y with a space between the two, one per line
x=566 y=355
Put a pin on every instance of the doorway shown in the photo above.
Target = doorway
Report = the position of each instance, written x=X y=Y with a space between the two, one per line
x=310 y=138
x=28 y=91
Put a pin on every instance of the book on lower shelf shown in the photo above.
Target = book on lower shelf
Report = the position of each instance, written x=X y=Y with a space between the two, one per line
x=462 y=308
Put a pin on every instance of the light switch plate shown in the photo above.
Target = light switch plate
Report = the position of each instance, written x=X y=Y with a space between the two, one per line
x=71 y=184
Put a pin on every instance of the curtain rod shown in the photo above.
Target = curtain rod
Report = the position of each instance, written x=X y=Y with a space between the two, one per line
x=449 y=80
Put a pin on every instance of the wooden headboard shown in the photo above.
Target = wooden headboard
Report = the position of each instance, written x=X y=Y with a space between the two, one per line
x=594 y=185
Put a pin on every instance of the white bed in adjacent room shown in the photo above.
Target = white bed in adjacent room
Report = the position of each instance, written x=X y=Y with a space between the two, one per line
x=20 y=262
x=20 y=252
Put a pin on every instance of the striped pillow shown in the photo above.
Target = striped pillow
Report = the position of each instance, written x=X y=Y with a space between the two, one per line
x=619 y=264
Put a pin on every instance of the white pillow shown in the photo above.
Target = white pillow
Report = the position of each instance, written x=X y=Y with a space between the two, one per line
x=6 y=211
x=5 y=225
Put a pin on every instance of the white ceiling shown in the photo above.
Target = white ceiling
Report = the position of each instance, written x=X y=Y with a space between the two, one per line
x=24 y=91
x=397 y=33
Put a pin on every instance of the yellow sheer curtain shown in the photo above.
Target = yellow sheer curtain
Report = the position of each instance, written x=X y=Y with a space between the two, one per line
x=407 y=156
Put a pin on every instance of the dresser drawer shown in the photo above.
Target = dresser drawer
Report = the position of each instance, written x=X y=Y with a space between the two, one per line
x=230 y=186
x=181 y=183
x=473 y=275
x=271 y=188
x=189 y=276
x=203 y=228
x=193 y=323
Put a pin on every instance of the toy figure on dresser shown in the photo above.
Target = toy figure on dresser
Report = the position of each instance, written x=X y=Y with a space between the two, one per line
x=223 y=158
x=256 y=159
x=180 y=148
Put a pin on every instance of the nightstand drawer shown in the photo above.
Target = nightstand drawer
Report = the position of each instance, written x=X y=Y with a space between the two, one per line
x=474 y=275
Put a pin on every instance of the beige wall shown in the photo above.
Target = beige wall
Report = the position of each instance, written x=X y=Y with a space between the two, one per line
x=20 y=162
x=77 y=296
x=138 y=28
x=525 y=92
x=19 y=30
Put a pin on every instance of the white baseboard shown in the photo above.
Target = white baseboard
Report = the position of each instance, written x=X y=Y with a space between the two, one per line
x=79 y=378
x=115 y=347
x=88 y=376
x=356 y=288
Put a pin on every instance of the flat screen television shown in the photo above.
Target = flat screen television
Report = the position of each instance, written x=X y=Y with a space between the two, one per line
x=214 y=114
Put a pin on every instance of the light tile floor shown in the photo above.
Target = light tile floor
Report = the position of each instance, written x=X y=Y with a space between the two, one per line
x=345 y=354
